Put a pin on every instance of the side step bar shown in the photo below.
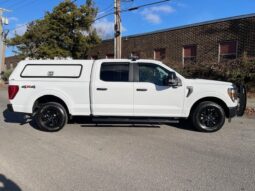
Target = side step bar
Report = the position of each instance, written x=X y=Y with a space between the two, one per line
x=141 y=120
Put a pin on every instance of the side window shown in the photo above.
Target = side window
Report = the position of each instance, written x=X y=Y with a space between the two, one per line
x=115 y=72
x=153 y=73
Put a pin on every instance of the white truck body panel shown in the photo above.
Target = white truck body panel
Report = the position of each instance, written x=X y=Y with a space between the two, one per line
x=73 y=91
x=80 y=88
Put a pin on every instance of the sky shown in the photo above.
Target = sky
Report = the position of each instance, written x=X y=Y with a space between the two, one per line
x=147 y=19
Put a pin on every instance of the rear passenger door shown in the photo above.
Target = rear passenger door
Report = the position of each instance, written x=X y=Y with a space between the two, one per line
x=113 y=89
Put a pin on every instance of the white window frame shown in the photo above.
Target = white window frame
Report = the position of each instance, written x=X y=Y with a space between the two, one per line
x=183 y=57
x=154 y=52
x=219 y=50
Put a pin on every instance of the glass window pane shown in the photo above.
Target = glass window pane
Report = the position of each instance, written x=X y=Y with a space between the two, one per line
x=114 y=72
x=153 y=74
x=228 y=47
x=190 y=51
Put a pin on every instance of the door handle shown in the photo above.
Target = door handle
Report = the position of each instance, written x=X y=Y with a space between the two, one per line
x=101 y=89
x=141 y=90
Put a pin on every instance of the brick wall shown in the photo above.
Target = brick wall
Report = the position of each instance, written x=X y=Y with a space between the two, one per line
x=205 y=36
x=11 y=62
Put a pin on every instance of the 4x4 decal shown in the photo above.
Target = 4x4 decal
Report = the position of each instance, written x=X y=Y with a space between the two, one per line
x=28 y=86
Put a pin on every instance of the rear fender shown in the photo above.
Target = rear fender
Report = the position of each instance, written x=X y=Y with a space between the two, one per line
x=55 y=93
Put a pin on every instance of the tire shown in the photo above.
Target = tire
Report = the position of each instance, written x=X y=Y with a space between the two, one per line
x=208 y=117
x=242 y=97
x=51 y=117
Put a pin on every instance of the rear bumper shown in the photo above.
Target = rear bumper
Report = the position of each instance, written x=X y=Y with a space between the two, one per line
x=232 y=112
x=10 y=108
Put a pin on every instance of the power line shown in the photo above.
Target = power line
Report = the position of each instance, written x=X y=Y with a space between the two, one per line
x=26 y=4
x=145 y=5
x=108 y=8
x=20 y=26
x=132 y=9
x=7 y=2
x=106 y=15
x=13 y=5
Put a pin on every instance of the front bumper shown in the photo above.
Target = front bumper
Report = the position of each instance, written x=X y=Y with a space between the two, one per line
x=232 y=112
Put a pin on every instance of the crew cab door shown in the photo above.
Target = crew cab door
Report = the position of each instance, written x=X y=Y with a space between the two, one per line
x=112 y=89
x=151 y=96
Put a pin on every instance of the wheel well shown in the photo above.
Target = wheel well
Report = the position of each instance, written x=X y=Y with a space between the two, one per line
x=49 y=98
x=212 y=99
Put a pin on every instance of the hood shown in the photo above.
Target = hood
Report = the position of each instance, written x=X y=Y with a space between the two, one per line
x=209 y=82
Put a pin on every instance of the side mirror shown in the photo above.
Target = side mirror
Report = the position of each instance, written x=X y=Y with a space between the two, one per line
x=173 y=80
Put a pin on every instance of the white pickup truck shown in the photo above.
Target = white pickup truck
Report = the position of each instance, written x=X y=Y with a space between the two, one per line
x=119 y=91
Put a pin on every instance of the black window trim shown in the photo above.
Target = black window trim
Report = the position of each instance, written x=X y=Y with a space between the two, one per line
x=136 y=71
x=81 y=69
x=130 y=70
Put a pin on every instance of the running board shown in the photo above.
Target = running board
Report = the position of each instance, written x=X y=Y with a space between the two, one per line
x=143 y=120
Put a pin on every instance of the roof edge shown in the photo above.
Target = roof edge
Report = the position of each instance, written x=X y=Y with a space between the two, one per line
x=188 y=25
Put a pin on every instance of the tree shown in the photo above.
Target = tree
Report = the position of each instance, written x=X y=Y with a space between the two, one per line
x=65 y=32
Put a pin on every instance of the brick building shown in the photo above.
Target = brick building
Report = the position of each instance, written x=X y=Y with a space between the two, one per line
x=206 y=42
x=11 y=62
x=211 y=41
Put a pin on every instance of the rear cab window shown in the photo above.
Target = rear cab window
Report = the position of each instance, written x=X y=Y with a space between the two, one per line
x=115 y=72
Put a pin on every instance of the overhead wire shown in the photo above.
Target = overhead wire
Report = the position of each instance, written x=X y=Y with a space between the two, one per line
x=15 y=4
x=12 y=30
x=108 y=14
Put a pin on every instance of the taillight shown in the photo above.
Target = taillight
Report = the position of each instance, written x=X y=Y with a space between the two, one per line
x=12 y=91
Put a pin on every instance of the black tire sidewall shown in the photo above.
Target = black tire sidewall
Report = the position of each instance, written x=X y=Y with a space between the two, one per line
x=57 y=106
x=195 y=119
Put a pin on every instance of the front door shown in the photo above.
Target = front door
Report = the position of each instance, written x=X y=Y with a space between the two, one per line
x=113 y=90
x=151 y=96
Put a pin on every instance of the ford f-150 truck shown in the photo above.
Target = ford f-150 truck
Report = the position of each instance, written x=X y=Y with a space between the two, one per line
x=119 y=90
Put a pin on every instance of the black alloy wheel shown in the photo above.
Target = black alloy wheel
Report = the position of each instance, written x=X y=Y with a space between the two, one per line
x=208 y=117
x=51 y=117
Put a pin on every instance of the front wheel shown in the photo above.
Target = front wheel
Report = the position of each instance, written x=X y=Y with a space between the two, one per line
x=51 y=117
x=208 y=117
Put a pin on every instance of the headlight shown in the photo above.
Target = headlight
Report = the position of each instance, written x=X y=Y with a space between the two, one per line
x=232 y=92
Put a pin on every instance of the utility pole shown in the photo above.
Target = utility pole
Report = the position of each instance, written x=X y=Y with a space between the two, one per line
x=3 y=21
x=117 y=29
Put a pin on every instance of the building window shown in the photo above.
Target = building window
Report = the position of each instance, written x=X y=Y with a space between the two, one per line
x=227 y=50
x=160 y=54
x=189 y=54
x=110 y=55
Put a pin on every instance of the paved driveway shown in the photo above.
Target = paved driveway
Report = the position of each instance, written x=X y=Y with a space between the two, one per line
x=86 y=157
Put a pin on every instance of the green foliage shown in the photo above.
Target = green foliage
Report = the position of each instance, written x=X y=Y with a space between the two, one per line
x=64 y=32
x=239 y=71
x=6 y=74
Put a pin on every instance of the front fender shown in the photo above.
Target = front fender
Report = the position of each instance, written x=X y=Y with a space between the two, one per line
x=190 y=101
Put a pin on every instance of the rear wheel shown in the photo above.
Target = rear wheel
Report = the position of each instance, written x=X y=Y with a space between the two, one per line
x=208 y=117
x=51 y=116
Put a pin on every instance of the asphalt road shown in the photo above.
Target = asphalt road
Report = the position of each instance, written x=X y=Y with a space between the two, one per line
x=85 y=157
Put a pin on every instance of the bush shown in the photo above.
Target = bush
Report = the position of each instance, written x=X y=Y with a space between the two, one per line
x=239 y=71
x=5 y=76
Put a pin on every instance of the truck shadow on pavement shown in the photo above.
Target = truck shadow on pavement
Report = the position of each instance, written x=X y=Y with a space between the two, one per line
x=7 y=184
x=22 y=119
x=184 y=124
x=87 y=122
